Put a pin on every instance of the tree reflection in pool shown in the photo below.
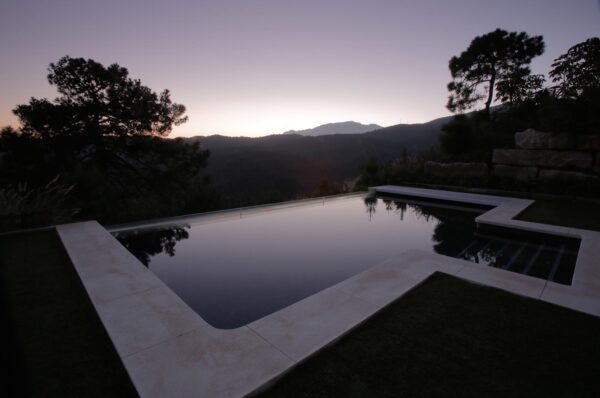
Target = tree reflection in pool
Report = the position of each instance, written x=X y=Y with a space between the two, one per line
x=251 y=263
x=147 y=243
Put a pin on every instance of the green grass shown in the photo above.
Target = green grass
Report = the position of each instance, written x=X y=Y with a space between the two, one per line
x=56 y=345
x=448 y=337
x=566 y=214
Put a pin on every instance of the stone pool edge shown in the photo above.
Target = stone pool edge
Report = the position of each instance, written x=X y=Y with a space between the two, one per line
x=169 y=350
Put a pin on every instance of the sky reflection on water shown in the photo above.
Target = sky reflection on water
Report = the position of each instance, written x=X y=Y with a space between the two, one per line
x=234 y=271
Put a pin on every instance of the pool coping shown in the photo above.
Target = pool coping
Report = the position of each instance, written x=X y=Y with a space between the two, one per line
x=169 y=350
x=219 y=215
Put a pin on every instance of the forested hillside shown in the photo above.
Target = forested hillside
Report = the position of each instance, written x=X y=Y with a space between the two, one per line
x=290 y=164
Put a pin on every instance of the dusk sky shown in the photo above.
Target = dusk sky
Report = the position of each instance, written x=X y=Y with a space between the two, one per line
x=263 y=67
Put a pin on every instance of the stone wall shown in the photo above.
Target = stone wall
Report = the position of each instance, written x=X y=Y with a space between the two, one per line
x=456 y=170
x=546 y=157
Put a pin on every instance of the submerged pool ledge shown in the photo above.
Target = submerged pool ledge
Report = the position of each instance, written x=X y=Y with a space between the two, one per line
x=587 y=266
x=169 y=350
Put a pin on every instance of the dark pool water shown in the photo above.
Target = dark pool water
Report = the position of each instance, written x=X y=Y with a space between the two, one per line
x=241 y=268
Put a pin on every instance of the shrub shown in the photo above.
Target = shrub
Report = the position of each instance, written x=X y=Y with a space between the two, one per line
x=23 y=207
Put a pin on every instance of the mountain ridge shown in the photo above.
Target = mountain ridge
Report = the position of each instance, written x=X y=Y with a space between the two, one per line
x=396 y=127
x=294 y=165
x=348 y=127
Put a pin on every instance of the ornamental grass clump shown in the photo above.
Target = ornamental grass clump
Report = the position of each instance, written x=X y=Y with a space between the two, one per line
x=24 y=207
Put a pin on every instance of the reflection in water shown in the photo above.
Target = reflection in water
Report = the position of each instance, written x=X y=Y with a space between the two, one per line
x=144 y=244
x=236 y=270
x=371 y=205
x=455 y=235
x=389 y=205
x=454 y=228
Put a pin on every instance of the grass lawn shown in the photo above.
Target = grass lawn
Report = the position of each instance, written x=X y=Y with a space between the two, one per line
x=566 y=214
x=449 y=337
x=55 y=345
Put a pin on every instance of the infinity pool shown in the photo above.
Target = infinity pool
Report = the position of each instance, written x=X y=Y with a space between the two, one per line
x=250 y=263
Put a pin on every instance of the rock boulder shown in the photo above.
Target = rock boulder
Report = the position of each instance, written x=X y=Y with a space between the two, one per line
x=542 y=158
x=456 y=170
x=522 y=174
x=589 y=143
x=550 y=176
x=533 y=139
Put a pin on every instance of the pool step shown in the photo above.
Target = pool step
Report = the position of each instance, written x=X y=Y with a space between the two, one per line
x=553 y=262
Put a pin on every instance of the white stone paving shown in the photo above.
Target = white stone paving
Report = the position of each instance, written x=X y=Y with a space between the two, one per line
x=169 y=350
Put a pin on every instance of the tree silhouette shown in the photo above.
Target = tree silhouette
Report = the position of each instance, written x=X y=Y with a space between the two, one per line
x=104 y=134
x=98 y=105
x=578 y=70
x=370 y=172
x=519 y=86
x=498 y=57
x=99 y=101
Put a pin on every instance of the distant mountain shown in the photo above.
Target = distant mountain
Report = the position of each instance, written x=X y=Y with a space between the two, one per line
x=293 y=165
x=336 y=128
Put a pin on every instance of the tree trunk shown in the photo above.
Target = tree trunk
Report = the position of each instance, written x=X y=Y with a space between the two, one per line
x=490 y=92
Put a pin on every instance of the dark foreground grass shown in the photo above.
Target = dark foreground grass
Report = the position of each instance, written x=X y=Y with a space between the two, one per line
x=565 y=214
x=452 y=338
x=54 y=344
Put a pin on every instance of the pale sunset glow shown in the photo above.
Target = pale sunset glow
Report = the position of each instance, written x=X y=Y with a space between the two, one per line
x=263 y=67
x=296 y=198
